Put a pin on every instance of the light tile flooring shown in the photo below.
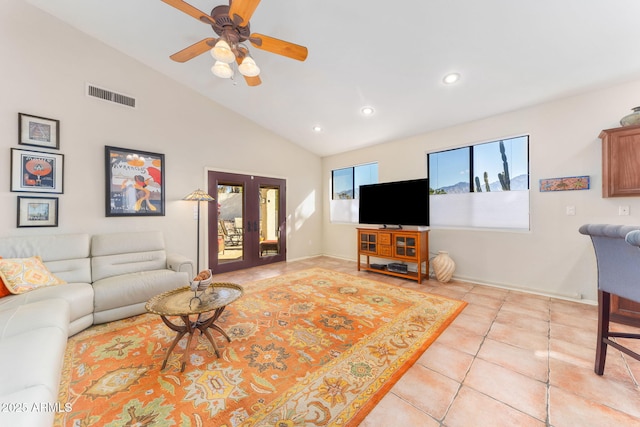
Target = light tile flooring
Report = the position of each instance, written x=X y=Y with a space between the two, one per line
x=509 y=359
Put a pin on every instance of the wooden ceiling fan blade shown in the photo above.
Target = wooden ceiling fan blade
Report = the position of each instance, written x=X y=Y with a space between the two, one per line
x=251 y=81
x=280 y=47
x=241 y=11
x=194 y=50
x=190 y=10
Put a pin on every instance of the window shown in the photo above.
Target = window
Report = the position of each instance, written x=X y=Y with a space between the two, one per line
x=483 y=185
x=345 y=189
x=449 y=171
x=346 y=182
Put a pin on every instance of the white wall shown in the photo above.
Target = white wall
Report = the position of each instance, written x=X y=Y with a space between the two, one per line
x=45 y=65
x=553 y=258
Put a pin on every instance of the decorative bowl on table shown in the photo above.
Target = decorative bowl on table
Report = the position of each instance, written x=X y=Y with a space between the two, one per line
x=201 y=281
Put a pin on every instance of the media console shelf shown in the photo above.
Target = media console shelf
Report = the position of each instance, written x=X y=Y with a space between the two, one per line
x=400 y=246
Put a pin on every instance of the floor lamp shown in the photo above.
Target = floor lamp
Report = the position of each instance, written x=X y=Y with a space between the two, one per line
x=198 y=196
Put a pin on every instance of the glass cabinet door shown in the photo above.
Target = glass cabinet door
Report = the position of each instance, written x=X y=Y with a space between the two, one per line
x=405 y=246
x=368 y=242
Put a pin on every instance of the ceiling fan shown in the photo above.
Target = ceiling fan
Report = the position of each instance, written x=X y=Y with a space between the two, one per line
x=231 y=24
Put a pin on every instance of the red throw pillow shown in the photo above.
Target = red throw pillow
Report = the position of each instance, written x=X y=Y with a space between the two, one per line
x=3 y=289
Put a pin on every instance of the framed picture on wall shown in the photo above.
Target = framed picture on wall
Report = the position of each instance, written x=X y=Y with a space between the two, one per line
x=38 y=131
x=37 y=211
x=36 y=171
x=134 y=182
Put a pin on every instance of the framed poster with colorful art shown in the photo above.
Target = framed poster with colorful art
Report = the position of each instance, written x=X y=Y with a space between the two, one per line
x=134 y=182
x=37 y=211
x=38 y=131
x=36 y=171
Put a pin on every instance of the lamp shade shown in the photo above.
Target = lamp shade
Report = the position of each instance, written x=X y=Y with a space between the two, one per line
x=248 y=67
x=222 y=52
x=198 y=196
x=222 y=70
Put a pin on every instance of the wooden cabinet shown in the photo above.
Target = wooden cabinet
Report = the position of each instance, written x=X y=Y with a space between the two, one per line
x=621 y=178
x=403 y=247
x=625 y=311
x=621 y=161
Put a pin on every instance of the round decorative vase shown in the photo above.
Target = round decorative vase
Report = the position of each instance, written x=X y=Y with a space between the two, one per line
x=443 y=266
x=631 y=119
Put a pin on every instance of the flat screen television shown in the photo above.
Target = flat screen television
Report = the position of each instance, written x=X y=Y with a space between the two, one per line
x=395 y=204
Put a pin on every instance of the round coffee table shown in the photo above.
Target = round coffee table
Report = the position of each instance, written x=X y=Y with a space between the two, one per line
x=181 y=302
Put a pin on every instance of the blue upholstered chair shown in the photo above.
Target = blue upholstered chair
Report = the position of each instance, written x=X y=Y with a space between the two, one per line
x=618 y=260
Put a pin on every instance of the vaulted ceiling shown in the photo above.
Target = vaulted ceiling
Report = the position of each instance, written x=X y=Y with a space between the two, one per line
x=390 y=55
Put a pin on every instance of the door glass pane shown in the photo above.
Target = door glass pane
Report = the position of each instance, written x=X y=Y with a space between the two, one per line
x=230 y=220
x=269 y=221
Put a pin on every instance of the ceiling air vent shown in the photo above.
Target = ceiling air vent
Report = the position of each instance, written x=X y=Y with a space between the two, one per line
x=110 y=96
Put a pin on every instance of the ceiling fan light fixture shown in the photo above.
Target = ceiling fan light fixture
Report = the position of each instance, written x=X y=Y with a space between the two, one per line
x=248 y=67
x=222 y=70
x=222 y=52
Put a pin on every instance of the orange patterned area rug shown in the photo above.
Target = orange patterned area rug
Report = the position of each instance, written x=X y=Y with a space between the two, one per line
x=309 y=348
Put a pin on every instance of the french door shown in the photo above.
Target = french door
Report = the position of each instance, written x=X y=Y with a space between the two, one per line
x=248 y=227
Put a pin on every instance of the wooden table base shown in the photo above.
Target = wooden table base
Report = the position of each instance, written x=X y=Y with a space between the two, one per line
x=190 y=327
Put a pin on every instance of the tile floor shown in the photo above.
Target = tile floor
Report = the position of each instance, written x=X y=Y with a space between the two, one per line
x=509 y=359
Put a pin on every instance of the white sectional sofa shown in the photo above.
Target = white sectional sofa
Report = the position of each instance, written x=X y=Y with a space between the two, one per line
x=109 y=277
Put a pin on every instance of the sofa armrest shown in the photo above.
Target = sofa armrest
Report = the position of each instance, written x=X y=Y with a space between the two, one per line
x=180 y=263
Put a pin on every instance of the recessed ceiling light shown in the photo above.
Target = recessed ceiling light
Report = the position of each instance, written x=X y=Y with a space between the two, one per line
x=451 y=78
x=317 y=128
x=367 y=111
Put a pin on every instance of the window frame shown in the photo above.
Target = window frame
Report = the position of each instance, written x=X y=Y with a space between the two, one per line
x=345 y=211
x=498 y=209
x=353 y=180
x=471 y=179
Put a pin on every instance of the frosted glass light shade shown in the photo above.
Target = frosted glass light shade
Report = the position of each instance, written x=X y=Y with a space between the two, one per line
x=222 y=70
x=248 y=67
x=222 y=52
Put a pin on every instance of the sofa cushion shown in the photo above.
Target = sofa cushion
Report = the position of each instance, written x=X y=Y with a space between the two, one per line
x=49 y=248
x=31 y=359
x=33 y=339
x=122 y=243
x=26 y=274
x=135 y=288
x=29 y=332
x=79 y=297
x=65 y=255
x=25 y=318
x=122 y=253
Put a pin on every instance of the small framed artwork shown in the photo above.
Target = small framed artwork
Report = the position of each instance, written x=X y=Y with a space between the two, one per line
x=134 y=182
x=37 y=211
x=567 y=183
x=36 y=172
x=38 y=131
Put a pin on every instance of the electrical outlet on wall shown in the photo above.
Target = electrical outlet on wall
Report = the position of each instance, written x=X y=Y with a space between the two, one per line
x=571 y=210
x=623 y=210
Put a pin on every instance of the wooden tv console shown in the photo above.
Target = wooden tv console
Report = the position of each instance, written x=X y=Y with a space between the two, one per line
x=398 y=245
